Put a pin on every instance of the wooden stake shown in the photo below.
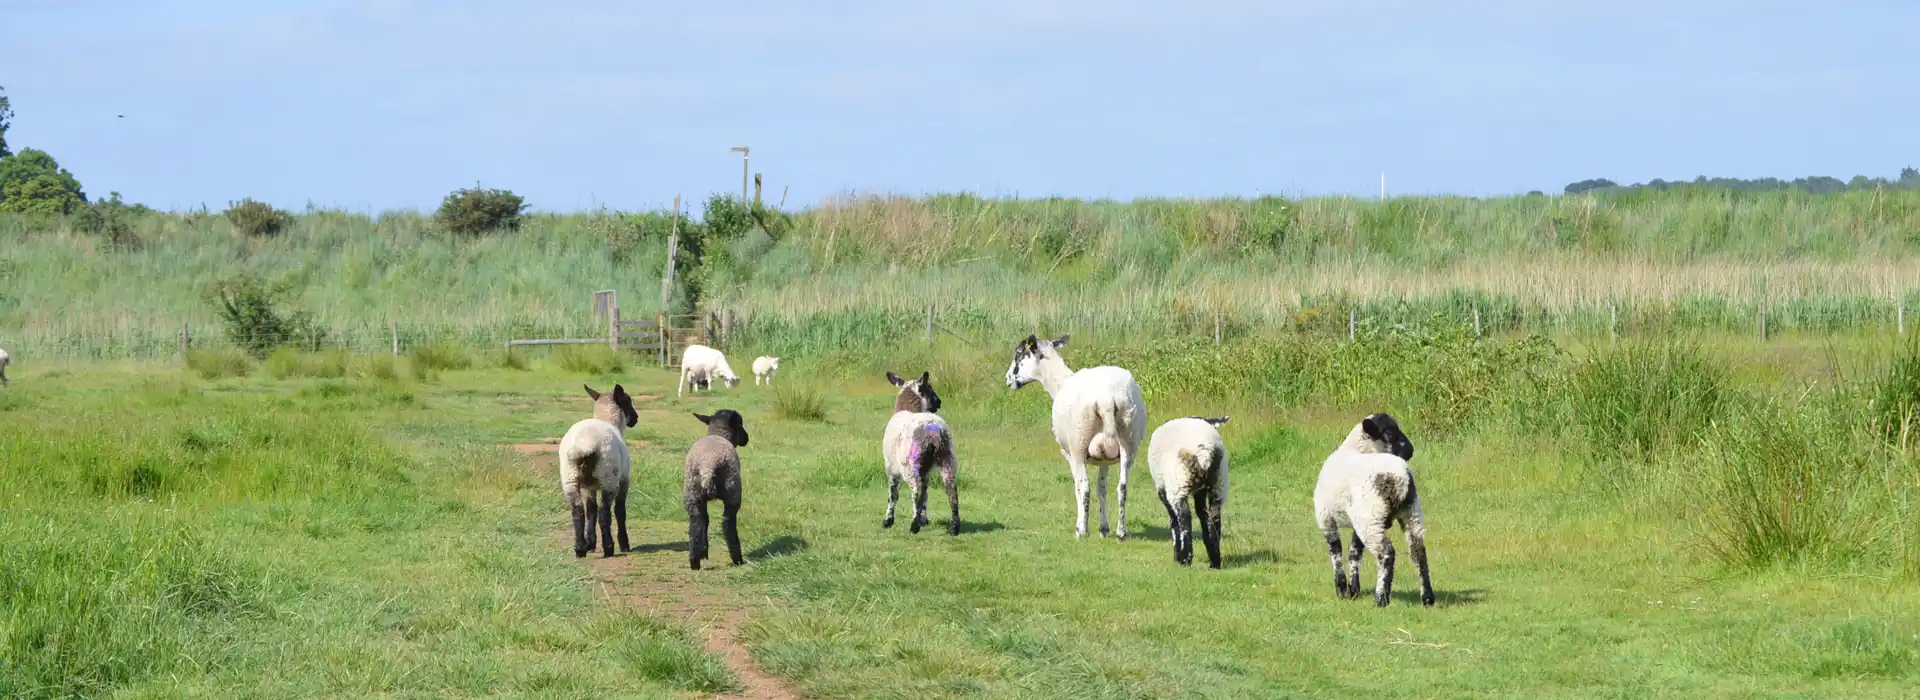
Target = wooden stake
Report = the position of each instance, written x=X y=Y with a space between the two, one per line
x=929 y=326
x=186 y=340
x=1350 y=323
x=396 y=337
x=1613 y=323
x=1902 y=316
x=1476 y=322
x=1763 y=324
x=673 y=249
x=1216 y=328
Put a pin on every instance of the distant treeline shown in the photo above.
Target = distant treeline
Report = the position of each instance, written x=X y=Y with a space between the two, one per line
x=1818 y=184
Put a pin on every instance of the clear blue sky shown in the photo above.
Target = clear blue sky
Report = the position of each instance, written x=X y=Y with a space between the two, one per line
x=378 y=104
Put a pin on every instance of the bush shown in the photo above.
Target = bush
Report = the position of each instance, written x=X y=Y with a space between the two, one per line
x=219 y=363
x=257 y=219
x=247 y=307
x=111 y=219
x=799 y=401
x=474 y=211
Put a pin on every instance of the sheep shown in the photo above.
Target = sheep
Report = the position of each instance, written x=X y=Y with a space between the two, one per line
x=595 y=471
x=5 y=360
x=763 y=368
x=1365 y=485
x=916 y=442
x=1098 y=416
x=713 y=472
x=702 y=364
x=1187 y=457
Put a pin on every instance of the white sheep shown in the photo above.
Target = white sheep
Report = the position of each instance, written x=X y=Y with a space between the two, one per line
x=713 y=473
x=595 y=471
x=5 y=360
x=1187 y=457
x=701 y=364
x=916 y=443
x=1098 y=417
x=763 y=369
x=1366 y=485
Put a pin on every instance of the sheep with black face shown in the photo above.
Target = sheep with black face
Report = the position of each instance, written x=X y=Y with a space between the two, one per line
x=1188 y=461
x=1367 y=485
x=713 y=473
x=595 y=471
x=916 y=443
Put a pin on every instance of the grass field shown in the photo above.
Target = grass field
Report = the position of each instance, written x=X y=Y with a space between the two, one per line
x=1684 y=518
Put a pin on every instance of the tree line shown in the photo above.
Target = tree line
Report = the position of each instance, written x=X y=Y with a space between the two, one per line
x=1818 y=184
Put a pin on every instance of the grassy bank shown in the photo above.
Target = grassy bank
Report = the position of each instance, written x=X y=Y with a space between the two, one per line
x=1707 y=517
x=1567 y=265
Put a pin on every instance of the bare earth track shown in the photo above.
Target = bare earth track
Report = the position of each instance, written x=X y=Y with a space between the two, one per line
x=654 y=580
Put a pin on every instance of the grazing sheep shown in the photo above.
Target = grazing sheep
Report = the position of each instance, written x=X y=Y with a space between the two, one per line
x=702 y=364
x=1098 y=416
x=916 y=442
x=763 y=369
x=1187 y=457
x=595 y=471
x=713 y=472
x=1366 y=485
x=5 y=360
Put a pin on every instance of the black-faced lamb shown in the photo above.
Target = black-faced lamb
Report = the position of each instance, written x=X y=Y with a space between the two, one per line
x=1367 y=485
x=916 y=443
x=595 y=471
x=713 y=472
x=1098 y=417
x=1188 y=459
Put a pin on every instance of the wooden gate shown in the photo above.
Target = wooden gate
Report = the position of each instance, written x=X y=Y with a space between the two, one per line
x=710 y=329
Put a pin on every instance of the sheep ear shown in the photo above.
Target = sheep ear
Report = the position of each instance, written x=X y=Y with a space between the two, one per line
x=1218 y=421
x=895 y=379
x=1032 y=342
x=595 y=395
x=702 y=418
x=1061 y=341
x=925 y=376
x=619 y=392
x=1371 y=428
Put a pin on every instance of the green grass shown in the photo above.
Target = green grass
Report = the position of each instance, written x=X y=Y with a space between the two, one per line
x=360 y=536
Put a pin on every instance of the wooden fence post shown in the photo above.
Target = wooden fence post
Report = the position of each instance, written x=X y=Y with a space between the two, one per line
x=186 y=340
x=1901 y=317
x=1763 y=323
x=929 y=326
x=1216 y=328
x=1613 y=323
x=613 y=324
x=395 y=326
x=1350 y=324
x=1476 y=322
x=661 y=326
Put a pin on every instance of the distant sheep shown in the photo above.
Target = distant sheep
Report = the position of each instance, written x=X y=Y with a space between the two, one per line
x=5 y=360
x=713 y=472
x=916 y=443
x=1187 y=457
x=701 y=365
x=1098 y=416
x=1366 y=485
x=595 y=471
x=763 y=369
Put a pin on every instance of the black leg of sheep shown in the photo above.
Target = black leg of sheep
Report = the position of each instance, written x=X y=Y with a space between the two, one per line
x=606 y=525
x=1209 y=517
x=620 y=514
x=949 y=478
x=696 y=533
x=730 y=528
x=580 y=544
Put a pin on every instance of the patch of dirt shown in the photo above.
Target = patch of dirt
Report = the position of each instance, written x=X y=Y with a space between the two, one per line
x=654 y=579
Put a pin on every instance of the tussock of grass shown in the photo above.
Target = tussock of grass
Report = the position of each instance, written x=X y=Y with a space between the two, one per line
x=799 y=400
x=589 y=359
x=219 y=363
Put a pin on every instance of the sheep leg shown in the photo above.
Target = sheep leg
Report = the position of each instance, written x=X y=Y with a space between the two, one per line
x=1331 y=530
x=1101 y=489
x=580 y=545
x=1383 y=560
x=1353 y=564
x=682 y=388
x=730 y=527
x=1120 y=493
x=606 y=524
x=893 y=498
x=1173 y=523
x=1080 y=494
x=696 y=533
x=1183 y=532
x=591 y=505
x=1208 y=506
x=917 y=480
x=620 y=513
x=949 y=477
x=1417 y=544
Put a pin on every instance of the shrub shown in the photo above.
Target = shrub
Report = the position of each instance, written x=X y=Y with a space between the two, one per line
x=1644 y=398
x=474 y=211
x=111 y=219
x=799 y=401
x=218 y=363
x=248 y=309
x=257 y=219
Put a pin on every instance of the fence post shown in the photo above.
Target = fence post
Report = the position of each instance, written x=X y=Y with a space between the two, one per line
x=1763 y=323
x=660 y=320
x=1902 y=316
x=1613 y=323
x=1216 y=328
x=929 y=326
x=1349 y=325
x=395 y=326
x=613 y=324
x=186 y=340
x=1476 y=322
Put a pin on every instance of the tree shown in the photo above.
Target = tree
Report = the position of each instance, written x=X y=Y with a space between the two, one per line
x=6 y=117
x=1908 y=174
x=474 y=211
x=34 y=176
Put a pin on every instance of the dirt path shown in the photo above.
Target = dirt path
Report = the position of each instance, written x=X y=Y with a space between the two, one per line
x=654 y=580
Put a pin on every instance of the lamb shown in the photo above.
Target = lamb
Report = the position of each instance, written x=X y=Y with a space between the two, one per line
x=1367 y=484
x=702 y=364
x=763 y=368
x=5 y=360
x=595 y=471
x=1187 y=457
x=916 y=442
x=713 y=472
x=1098 y=416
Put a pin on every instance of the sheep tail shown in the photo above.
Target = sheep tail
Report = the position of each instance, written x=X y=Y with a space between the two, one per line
x=1202 y=463
x=1396 y=490
x=1105 y=443
x=928 y=445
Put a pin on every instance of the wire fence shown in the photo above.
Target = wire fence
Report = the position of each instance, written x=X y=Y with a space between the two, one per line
x=983 y=328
